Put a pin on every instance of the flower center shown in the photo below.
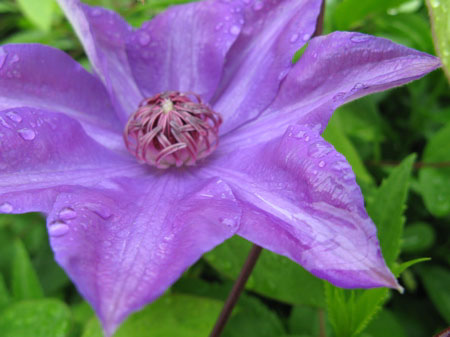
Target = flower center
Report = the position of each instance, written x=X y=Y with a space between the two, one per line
x=172 y=128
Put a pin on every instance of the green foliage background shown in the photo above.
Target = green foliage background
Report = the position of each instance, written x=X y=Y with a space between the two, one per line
x=398 y=144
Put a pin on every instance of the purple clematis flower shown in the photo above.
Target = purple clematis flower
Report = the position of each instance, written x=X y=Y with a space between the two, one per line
x=222 y=137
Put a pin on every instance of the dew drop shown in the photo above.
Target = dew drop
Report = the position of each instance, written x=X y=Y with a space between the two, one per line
x=358 y=38
x=58 y=228
x=359 y=86
x=144 y=39
x=6 y=207
x=102 y=212
x=15 y=58
x=339 y=96
x=321 y=163
x=234 y=30
x=306 y=37
x=307 y=139
x=4 y=123
x=258 y=6
x=96 y=12
x=294 y=38
x=228 y=222
x=14 y=116
x=67 y=213
x=26 y=134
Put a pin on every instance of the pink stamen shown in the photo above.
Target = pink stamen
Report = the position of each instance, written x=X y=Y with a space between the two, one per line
x=172 y=128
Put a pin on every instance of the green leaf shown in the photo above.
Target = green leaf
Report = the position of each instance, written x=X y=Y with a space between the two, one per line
x=387 y=208
x=170 y=315
x=38 y=12
x=436 y=281
x=383 y=322
x=435 y=181
x=417 y=237
x=350 y=13
x=349 y=311
x=305 y=320
x=397 y=270
x=37 y=318
x=335 y=135
x=274 y=276
x=251 y=318
x=440 y=20
x=25 y=283
x=411 y=30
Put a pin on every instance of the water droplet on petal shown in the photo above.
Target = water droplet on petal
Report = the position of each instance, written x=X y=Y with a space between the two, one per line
x=258 y=6
x=67 y=213
x=339 y=96
x=6 y=207
x=102 y=212
x=321 y=163
x=359 y=86
x=96 y=12
x=234 y=30
x=294 y=38
x=358 y=38
x=14 y=116
x=26 y=134
x=4 y=123
x=306 y=37
x=15 y=58
x=58 y=228
x=228 y=222
x=307 y=139
x=144 y=39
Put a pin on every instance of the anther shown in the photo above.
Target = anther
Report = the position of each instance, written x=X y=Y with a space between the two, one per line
x=172 y=129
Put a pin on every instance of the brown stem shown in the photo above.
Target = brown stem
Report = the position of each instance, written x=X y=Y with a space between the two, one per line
x=238 y=287
x=322 y=324
x=319 y=24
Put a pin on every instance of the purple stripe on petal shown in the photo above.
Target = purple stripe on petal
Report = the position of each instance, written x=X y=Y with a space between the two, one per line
x=125 y=247
x=103 y=34
x=184 y=48
x=301 y=200
x=44 y=77
x=43 y=152
x=334 y=70
x=261 y=57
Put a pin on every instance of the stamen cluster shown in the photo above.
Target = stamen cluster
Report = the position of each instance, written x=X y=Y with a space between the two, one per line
x=172 y=129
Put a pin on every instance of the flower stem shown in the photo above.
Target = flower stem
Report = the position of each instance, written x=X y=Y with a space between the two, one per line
x=319 y=24
x=238 y=287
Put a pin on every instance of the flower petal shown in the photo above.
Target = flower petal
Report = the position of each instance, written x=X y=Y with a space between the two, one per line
x=43 y=77
x=42 y=153
x=334 y=70
x=103 y=34
x=123 y=248
x=301 y=200
x=184 y=48
x=261 y=57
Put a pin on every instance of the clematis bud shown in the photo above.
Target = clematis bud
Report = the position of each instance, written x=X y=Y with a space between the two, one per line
x=172 y=128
